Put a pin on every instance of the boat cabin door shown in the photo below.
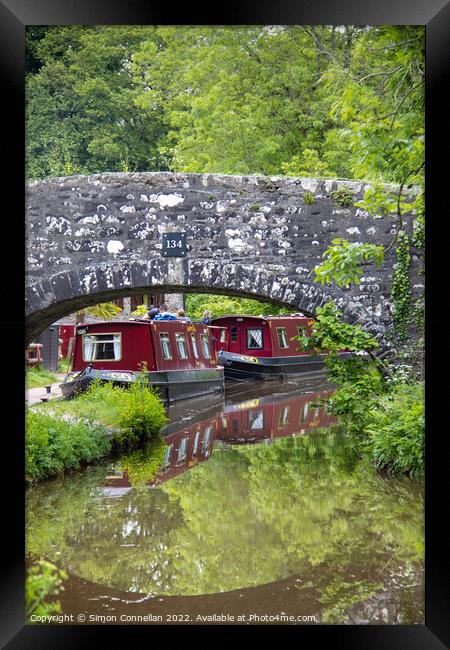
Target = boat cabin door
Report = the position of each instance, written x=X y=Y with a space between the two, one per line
x=234 y=334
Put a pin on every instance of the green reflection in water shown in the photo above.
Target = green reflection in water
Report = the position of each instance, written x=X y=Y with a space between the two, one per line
x=250 y=515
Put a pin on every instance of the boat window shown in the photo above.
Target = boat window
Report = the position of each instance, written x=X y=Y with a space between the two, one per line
x=102 y=347
x=256 y=420
x=234 y=333
x=167 y=456
x=224 y=423
x=194 y=345
x=165 y=346
x=182 y=450
x=282 y=340
x=181 y=345
x=284 y=417
x=254 y=339
x=205 y=346
x=197 y=437
x=304 y=413
x=223 y=335
x=302 y=330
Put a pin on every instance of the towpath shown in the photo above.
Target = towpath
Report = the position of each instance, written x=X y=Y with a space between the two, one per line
x=34 y=395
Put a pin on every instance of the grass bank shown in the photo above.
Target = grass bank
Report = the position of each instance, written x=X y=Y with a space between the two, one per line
x=39 y=377
x=64 y=435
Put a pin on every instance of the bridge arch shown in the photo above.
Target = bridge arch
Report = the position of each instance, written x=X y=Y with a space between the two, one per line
x=68 y=291
x=93 y=238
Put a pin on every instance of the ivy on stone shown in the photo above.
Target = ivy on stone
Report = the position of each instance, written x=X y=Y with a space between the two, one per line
x=400 y=290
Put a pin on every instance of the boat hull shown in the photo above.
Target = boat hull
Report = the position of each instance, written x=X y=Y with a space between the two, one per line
x=171 y=385
x=240 y=367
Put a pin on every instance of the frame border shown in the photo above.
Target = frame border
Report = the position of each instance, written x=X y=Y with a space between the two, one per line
x=435 y=15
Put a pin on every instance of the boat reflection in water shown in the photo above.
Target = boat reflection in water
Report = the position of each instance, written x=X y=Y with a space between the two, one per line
x=254 y=420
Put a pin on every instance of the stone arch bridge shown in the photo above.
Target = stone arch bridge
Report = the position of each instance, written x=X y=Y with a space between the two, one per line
x=94 y=238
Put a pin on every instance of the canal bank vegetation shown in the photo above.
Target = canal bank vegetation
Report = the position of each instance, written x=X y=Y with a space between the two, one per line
x=64 y=435
x=37 y=377
x=43 y=585
x=381 y=404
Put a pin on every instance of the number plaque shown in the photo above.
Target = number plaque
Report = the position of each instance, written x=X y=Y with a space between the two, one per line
x=174 y=244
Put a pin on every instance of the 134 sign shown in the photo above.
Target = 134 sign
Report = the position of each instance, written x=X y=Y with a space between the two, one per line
x=174 y=244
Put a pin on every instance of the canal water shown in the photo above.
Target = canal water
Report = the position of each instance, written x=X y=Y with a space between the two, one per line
x=253 y=510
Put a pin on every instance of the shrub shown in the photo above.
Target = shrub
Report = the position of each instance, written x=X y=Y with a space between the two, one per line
x=54 y=445
x=44 y=579
x=396 y=431
x=141 y=413
x=137 y=411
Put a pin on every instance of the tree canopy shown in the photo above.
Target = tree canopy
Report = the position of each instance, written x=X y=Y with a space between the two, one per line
x=331 y=101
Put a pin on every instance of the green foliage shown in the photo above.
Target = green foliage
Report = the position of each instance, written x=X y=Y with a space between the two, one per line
x=343 y=261
x=308 y=198
x=136 y=412
x=141 y=413
x=37 y=376
x=298 y=100
x=379 y=200
x=197 y=303
x=307 y=164
x=329 y=332
x=395 y=431
x=140 y=310
x=386 y=417
x=343 y=197
x=419 y=222
x=44 y=581
x=104 y=310
x=356 y=393
x=80 y=79
x=54 y=445
x=400 y=290
x=254 y=207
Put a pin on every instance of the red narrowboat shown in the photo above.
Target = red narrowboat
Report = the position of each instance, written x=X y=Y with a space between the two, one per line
x=262 y=347
x=178 y=357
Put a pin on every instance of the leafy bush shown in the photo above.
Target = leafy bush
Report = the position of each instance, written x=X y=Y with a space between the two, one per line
x=395 y=431
x=141 y=412
x=54 y=445
x=44 y=579
x=343 y=261
x=137 y=411
x=352 y=399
